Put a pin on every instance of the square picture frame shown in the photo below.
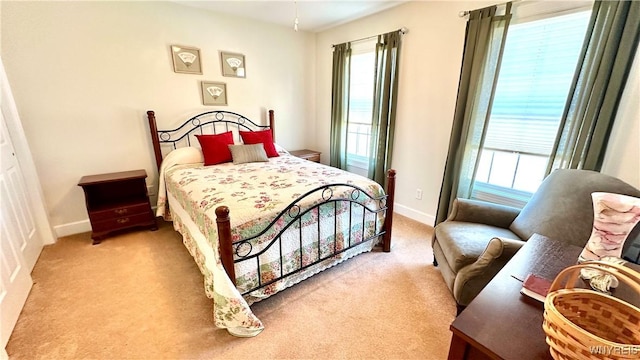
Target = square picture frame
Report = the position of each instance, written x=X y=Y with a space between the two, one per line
x=233 y=64
x=214 y=93
x=186 y=59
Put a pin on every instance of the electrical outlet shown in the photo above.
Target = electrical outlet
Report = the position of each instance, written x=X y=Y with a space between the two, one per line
x=151 y=190
x=419 y=194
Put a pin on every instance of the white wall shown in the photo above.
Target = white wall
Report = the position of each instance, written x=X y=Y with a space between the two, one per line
x=430 y=63
x=85 y=73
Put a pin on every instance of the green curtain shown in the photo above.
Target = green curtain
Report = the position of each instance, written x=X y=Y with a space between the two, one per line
x=384 y=105
x=603 y=67
x=484 y=43
x=340 y=105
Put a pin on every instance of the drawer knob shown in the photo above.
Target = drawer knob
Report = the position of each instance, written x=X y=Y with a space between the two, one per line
x=121 y=211
x=123 y=221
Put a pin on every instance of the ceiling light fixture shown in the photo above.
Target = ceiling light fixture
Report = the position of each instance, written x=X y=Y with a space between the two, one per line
x=295 y=22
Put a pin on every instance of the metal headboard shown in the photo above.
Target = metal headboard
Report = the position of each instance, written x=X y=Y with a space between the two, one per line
x=210 y=122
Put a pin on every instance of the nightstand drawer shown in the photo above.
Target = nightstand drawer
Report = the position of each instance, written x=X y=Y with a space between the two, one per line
x=315 y=158
x=120 y=211
x=123 y=222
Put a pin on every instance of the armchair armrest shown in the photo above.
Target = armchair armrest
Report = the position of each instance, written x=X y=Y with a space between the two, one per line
x=471 y=279
x=481 y=212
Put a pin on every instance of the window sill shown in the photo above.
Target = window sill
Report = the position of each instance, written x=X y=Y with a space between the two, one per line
x=358 y=161
x=500 y=195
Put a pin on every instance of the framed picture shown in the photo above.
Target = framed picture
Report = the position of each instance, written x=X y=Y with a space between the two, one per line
x=214 y=93
x=186 y=59
x=232 y=64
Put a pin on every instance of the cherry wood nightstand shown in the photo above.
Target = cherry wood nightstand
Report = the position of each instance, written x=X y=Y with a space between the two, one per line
x=117 y=201
x=306 y=154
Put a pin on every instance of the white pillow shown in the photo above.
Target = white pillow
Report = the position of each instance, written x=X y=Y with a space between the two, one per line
x=184 y=155
x=280 y=149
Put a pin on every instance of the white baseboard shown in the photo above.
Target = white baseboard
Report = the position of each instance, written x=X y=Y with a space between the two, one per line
x=72 y=228
x=414 y=214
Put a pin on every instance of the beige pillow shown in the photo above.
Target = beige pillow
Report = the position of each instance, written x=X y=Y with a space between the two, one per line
x=248 y=153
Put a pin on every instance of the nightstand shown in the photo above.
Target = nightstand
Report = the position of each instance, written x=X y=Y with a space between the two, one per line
x=117 y=201
x=306 y=154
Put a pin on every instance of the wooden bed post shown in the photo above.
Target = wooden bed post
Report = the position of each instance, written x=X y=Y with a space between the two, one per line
x=272 y=125
x=154 y=137
x=388 y=220
x=224 y=241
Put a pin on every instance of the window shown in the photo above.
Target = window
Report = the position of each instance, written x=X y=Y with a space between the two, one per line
x=361 y=91
x=538 y=65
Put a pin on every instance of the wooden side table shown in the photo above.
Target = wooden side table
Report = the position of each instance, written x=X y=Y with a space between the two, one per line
x=307 y=154
x=117 y=201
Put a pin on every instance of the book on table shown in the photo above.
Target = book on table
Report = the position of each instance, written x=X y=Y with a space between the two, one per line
x=535 y=287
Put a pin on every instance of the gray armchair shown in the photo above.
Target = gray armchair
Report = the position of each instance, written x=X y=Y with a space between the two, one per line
x=478 y=238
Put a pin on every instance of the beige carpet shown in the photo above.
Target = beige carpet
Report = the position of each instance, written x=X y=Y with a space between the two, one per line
x=140 y=296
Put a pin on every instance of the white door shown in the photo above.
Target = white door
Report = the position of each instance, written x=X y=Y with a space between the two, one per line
x=24 y=225
x=18 y=237
x=16 y=197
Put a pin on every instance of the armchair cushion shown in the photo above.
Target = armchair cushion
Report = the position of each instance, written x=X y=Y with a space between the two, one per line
x=462 y=243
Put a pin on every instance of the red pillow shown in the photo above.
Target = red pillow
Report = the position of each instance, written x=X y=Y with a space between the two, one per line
x=216 y=147
x=257 y=137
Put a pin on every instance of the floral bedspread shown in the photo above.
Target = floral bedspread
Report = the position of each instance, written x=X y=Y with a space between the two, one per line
x=255 y=193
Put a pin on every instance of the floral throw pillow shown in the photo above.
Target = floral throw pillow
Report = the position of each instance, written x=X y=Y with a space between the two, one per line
x=614 y=216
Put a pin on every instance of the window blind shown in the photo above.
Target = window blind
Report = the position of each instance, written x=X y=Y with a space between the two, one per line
x=538 y=64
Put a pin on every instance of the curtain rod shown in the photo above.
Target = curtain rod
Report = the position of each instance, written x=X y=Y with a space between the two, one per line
x=403 y=30
x=467 y=12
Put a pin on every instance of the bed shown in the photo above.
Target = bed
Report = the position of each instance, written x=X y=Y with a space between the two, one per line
x=258 y=227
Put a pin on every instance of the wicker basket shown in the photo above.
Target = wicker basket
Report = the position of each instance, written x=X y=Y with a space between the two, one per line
x=586 y=324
